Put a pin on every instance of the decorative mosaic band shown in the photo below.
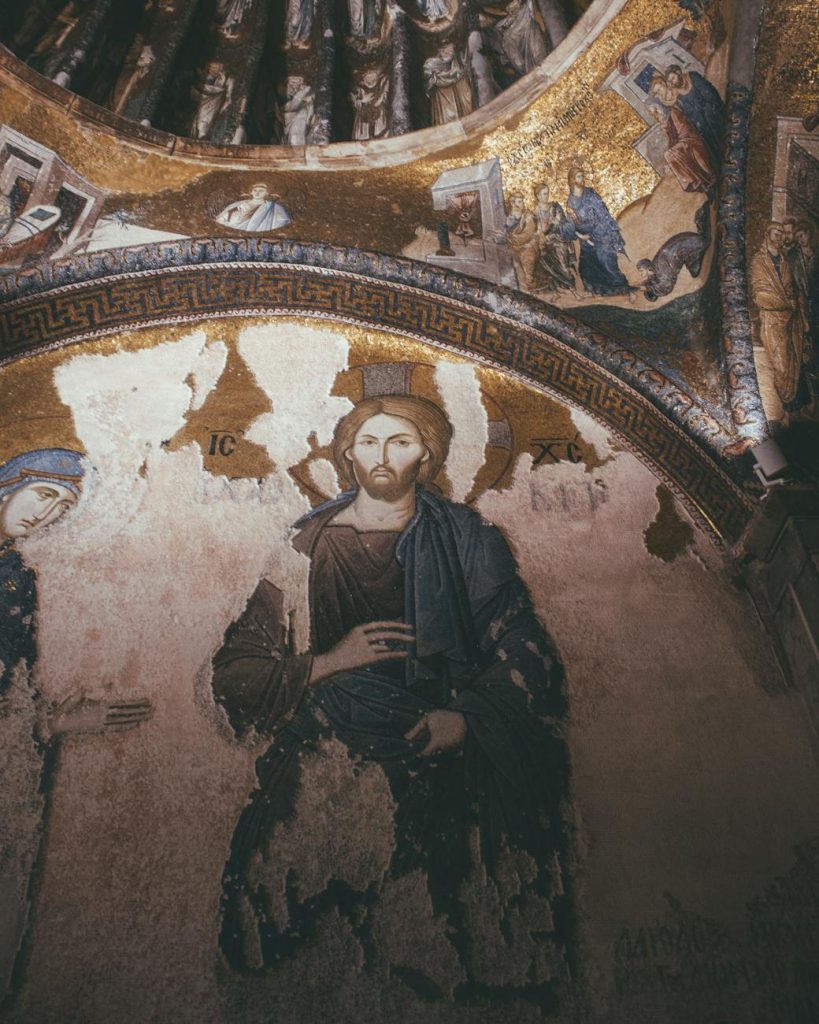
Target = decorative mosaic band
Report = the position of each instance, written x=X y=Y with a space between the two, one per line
x=737 y=340
x=518 y=336
x=679 y=405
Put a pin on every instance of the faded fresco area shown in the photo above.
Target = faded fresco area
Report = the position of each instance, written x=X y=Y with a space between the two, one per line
x=222 y=804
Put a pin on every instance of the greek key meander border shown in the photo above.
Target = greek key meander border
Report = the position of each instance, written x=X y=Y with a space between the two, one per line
x=720 y=509
x=680 y=406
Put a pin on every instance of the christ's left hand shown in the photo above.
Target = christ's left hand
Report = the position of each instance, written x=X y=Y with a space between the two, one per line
x=446 y=731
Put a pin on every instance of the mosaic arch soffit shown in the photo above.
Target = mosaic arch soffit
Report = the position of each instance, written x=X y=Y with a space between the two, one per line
x=105 y=293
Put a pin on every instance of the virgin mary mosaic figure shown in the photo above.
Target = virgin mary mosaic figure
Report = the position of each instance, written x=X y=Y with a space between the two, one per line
x=36 y=489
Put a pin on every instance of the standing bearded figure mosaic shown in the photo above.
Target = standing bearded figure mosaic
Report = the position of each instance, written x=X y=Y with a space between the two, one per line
x=427 y=660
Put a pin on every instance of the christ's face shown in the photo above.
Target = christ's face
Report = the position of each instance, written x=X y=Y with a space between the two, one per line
x=33 y=505
x=579 y=179
x=386 y=455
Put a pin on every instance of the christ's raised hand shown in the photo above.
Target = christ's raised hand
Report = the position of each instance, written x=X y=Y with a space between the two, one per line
x=364 y=645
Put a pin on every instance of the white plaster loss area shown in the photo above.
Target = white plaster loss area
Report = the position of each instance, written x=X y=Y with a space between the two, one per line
x=687 y=775
x=460 y=391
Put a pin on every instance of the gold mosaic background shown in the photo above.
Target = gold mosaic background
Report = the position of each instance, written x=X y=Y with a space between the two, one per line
x=34 y=416
x=374 y=208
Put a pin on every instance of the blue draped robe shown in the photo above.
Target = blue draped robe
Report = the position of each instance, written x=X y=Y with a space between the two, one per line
x=703 y=107
x=599 y=270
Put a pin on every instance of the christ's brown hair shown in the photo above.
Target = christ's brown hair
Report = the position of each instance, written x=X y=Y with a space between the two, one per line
x=431 y=422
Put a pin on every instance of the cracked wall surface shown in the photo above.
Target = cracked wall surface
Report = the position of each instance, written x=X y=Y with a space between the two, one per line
x=691 y=790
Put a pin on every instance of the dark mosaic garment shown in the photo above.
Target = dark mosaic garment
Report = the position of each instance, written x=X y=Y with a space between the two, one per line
x=18 y=601
x=479 y=649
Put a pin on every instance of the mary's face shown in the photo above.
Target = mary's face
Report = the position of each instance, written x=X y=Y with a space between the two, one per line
x=33 y=505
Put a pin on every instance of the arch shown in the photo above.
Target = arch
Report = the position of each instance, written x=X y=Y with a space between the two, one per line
x=100 y=294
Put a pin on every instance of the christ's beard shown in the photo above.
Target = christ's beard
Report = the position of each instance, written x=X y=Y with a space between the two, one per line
x=389 y=488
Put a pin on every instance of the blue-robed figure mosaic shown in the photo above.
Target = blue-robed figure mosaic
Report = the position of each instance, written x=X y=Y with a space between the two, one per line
x=36 y=488
x=600 y=238
x=426 y=658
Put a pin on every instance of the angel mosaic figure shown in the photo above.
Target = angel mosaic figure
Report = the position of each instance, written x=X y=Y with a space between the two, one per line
x=299 y=23
x=298 y=112
x=369 y=99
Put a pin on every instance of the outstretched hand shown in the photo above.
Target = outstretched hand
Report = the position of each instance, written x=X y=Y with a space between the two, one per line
x=84 y=713
x=364 y=645
x=446 y=731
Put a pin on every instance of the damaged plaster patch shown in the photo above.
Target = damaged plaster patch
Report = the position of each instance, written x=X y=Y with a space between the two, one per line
x=22 y=802
x=509 y=945
x=668 y=535
x=408 y=935
x=127 y=404
x=209 y=368
x=342 y=828
x=460 y=390
x=136 y=587
x=324 y=476
x=282 y=357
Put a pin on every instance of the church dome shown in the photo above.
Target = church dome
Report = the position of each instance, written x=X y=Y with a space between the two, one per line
x=287 y=72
